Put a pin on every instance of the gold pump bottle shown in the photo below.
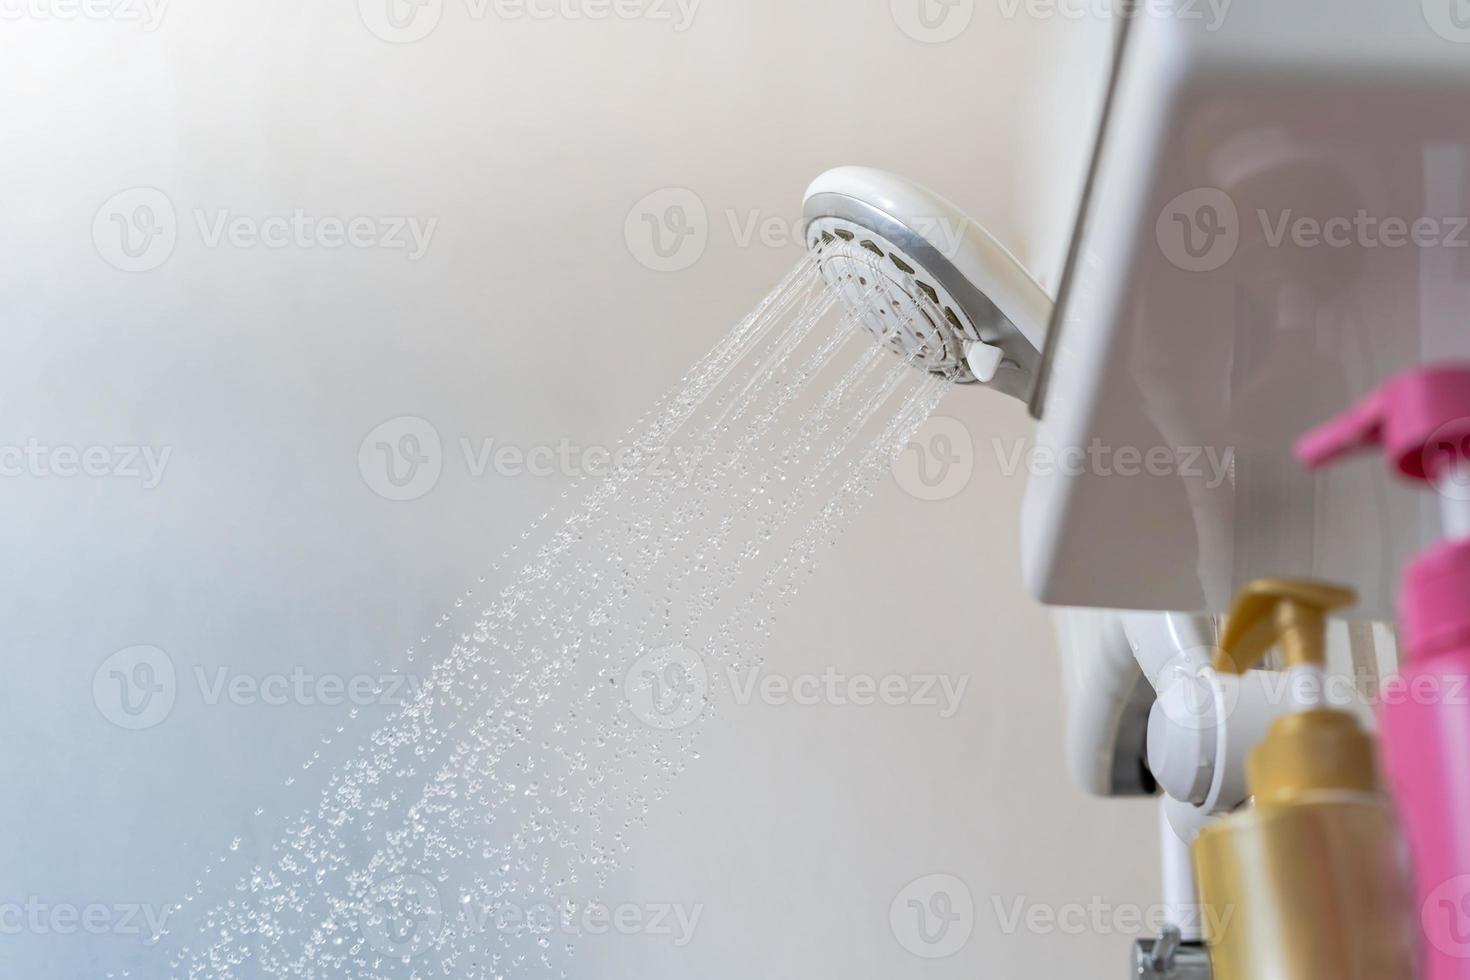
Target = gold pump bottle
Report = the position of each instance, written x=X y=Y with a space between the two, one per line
x=1308 y=883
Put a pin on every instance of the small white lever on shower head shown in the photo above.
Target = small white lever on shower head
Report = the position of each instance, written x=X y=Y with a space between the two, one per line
x=984 y=361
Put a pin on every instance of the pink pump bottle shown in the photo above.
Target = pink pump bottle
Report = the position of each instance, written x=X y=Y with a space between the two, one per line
x=1422 y=421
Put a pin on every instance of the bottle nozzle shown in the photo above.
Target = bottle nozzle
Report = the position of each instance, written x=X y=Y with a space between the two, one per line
x=1290 y=613
x=1357 y=429
x=1421 y=419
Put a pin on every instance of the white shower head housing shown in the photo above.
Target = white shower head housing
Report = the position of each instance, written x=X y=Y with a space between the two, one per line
x=925 y=280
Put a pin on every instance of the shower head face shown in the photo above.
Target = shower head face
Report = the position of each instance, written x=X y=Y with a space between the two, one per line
x=927 y=282
x=906 y=311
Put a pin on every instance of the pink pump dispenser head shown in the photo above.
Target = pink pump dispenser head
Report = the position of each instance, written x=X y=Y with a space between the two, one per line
x=1422 y=421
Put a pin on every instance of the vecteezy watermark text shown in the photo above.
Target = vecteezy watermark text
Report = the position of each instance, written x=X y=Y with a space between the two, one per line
x=488 y=456
x=1211 y=465
x=940 y=21
x=300 y=686
x=407 y=21
x=42 y=461
x=147 y=14
x=670 y=688
x=403 y=459
x=840 y=689
x=137 y=230
x=406 y=914
x=939 y=462
x=136 y=688
x=1211 y=12
x=38 y=917
x=669 y=229
x=1200 y=230
x=1100 y=918
x=304 y=230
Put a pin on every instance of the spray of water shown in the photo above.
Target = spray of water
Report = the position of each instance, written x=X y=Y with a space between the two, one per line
x=463 y=837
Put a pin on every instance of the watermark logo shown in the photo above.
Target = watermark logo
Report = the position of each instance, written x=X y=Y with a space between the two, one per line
x=933 y=21
x=401 y=21
x=1446 y=458
x=1194 y=698
x=136 y=230
x=402 y=916
x=668 y=230
x=135 y=688
x=933 y=916
x=1450 y=19
x=939 y=462
x=1199 y=230
x=402 y=459
x=667 y=688
x=1445 y=917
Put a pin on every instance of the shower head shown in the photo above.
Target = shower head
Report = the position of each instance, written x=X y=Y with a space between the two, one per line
x=925 y=280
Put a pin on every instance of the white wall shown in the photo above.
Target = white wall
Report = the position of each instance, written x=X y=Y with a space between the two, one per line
x=529 y=320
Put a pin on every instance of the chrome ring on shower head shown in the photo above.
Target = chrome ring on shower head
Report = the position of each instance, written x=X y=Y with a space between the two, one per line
x=925 y=280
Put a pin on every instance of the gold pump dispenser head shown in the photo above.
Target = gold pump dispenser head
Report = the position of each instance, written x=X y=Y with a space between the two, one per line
x=1271 y=611
x=1306 y=884
x=1315 y=749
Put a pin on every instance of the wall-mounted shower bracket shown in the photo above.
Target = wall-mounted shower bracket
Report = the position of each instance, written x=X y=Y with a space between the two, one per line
x=1170 y=958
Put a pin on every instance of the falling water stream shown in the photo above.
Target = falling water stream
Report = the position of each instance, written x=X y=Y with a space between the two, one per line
x=460 y=835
